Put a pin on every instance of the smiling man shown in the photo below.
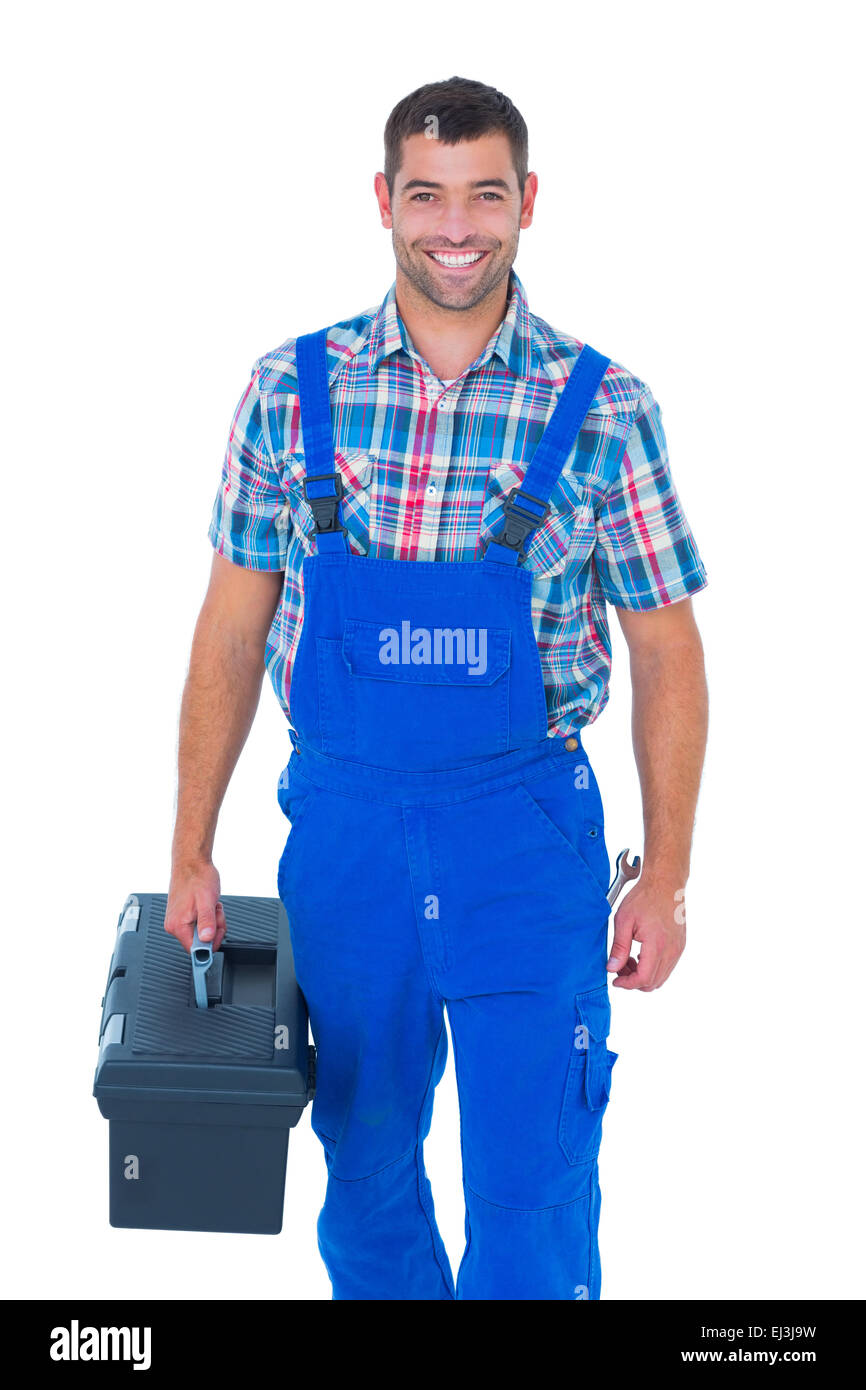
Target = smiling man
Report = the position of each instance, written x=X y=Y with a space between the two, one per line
x=447 y=462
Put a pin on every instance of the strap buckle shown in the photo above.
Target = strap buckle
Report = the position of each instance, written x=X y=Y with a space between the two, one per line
x=325 y=509
x=519 y=521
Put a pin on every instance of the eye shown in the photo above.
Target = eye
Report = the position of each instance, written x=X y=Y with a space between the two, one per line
x=497 y=197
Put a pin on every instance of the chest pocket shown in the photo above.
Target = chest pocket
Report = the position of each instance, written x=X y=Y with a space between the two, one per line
x=415 y=698
x=444 y=656
x=356 y=470
x=567 y=533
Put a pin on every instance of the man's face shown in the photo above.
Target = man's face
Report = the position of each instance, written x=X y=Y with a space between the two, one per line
x=456 y=200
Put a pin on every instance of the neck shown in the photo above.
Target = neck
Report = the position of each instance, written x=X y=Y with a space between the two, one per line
x=449 y=340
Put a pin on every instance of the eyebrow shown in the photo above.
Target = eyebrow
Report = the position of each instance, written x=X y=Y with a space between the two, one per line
x=477 y=183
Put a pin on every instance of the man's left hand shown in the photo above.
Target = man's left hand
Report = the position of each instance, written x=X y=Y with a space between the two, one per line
x=653 y=914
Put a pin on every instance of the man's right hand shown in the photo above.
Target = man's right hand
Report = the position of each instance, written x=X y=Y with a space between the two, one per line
x=220 y=699
x=193 y=897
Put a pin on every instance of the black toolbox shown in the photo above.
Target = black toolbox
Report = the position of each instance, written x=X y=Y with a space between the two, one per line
x=200 y=1097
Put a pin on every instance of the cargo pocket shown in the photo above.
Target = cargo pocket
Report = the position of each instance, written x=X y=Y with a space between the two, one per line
x=587 y=1086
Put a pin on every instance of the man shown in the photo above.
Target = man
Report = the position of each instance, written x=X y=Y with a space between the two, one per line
x=422 y=515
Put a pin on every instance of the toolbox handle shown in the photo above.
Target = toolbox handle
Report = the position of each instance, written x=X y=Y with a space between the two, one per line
x=201 y=956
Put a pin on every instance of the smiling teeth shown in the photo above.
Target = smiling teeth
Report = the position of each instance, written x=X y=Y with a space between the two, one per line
x=467 y=259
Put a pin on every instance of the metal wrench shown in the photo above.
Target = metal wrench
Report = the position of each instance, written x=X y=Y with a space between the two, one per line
x=624 y=873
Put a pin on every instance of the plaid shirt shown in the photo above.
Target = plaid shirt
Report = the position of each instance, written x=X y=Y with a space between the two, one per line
x=426 y=469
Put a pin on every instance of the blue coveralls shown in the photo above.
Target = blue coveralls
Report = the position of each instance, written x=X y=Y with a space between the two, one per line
x=445 y=853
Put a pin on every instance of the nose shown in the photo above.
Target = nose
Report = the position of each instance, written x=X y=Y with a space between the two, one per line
x=455 y=226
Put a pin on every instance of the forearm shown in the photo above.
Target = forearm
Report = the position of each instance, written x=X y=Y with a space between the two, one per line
x=669 y=733
x=219 y=702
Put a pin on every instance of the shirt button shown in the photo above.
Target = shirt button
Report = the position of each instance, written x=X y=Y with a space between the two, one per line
x=572 y=744
x=431 y=490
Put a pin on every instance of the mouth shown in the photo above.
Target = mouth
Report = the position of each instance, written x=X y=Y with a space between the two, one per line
x=460 y=261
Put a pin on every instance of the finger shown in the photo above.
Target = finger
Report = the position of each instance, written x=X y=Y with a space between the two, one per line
x=626 y=973
x=207 y=922
x=665 y=969
x=622 y=939
x=647 y=965
x=181 y=928
x=221 y=926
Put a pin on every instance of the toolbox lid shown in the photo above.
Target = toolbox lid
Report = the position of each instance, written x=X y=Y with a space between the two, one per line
x=249 y=1046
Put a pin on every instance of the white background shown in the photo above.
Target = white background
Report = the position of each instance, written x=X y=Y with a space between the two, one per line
x=186 y=185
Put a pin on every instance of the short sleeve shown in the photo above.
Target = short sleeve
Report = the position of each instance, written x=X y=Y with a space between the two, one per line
x=249 y=523
x=645 y=554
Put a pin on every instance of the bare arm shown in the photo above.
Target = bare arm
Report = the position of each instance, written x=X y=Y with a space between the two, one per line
x=220 y=698
x=669 y=732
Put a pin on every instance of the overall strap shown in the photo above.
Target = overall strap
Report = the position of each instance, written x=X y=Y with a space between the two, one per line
x=323 y=485
x=528 y=505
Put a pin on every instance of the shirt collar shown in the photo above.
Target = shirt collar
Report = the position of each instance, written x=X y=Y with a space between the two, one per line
x=512 y=340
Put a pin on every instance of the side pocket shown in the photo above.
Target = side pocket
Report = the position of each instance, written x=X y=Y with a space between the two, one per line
x=556 y=808
x=296 y=796
x=593 y=841
x=281 y=867
x=587 y=1087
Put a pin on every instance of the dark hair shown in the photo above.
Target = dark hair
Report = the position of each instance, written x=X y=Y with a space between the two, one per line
x=464 y=110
